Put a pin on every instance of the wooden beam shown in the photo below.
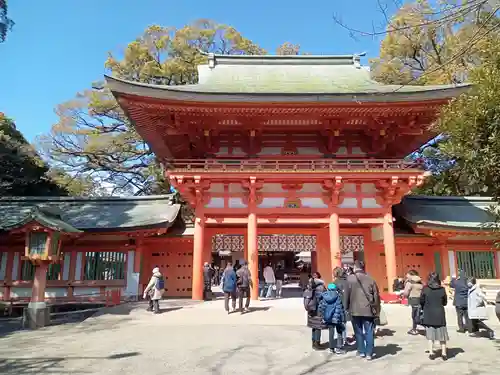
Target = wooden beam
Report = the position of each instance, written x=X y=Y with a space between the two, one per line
x=323 y=220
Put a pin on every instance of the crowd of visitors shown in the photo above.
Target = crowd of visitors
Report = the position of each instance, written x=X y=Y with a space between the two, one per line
x=354 y=297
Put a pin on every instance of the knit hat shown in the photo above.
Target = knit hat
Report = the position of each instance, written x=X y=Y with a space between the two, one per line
x=332 y=286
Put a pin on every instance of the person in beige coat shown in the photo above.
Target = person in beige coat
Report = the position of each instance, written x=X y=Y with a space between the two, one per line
x=154 y=290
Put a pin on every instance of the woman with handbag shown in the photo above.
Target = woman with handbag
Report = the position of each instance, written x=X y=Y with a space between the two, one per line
x=433 y=300
x=476 y=307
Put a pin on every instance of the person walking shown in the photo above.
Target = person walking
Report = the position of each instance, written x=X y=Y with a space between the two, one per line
x=280 y=279
x=363 y=304
x=244 y=284
x=497 y=306
x=412 y=291
x=311 y=296
x=155 y=290
x=476 y=307
x=433 y=300
x=207 y=281
x=229 y=287
x=270 y=281
x=331 y=309
x=459 y=284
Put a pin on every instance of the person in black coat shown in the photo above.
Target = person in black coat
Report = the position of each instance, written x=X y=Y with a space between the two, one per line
x=433 y=300
x=460 y=301
x=312 y=295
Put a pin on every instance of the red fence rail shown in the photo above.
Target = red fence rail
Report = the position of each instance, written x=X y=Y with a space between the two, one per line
x=276 y=166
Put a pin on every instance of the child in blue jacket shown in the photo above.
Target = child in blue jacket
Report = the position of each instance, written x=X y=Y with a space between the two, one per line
x=332 y=311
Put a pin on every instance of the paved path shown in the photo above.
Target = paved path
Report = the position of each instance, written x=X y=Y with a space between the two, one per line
x=201 y=339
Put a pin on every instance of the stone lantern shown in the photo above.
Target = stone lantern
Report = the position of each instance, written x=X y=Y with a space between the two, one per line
x=44 y=230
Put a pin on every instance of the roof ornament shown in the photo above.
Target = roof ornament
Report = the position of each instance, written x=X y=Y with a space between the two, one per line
x=356 y=59
x=211 y=58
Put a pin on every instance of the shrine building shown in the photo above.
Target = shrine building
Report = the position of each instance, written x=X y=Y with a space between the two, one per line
x=275 y=157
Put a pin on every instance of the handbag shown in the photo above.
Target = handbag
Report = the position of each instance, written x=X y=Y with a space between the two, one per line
x=382 y=318
x=373 y=308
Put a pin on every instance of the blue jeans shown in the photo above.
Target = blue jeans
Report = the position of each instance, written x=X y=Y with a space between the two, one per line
x=339 y=342
x=364 y=329
x=267 y=290
x=316 y=335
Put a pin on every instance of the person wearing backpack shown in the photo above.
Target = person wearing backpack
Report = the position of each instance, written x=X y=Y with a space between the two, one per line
x=331 y=309
x=154 y=290
x=311 y=296
x=244 y=283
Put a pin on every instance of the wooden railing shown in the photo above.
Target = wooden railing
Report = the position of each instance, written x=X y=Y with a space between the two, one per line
x=274 y=166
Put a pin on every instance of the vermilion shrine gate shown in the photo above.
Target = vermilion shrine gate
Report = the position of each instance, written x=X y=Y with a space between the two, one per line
x=277 y=145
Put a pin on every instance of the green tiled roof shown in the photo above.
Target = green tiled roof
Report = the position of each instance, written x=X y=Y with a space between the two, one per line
x=287 y=75
x=49 y=218
x=90 y=214
x=466 y=213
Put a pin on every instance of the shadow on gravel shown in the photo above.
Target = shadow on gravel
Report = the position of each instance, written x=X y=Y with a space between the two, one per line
x=385 y=350
x=51 y=365
x=385 y=332
x=453 y=352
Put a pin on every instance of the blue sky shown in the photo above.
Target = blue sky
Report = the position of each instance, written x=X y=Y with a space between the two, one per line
x=58 y=47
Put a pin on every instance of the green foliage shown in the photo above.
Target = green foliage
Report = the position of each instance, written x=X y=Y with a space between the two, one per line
x=6 y=23
x=441 y=43
x=22 y=172
x=434 y=43
x=94 y=140
x=472 y=123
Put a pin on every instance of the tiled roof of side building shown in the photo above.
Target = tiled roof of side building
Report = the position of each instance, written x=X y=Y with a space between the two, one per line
x=458 y=213
x=339 y=77
x=90 y=214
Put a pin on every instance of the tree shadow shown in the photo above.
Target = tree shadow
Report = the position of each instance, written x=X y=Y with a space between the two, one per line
x=385 y=350
x=51 y=365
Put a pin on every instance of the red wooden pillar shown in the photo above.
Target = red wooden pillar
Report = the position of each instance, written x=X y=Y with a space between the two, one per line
x=390 y=250
x=39 y=283
x=334 y=229
x=197 y=281
x=253 y=253
x=8 y=275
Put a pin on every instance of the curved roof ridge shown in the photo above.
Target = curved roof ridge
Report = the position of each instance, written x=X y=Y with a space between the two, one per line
x=109 y=199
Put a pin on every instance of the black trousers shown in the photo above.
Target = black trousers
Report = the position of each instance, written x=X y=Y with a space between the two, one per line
x=243 y=292
x=476 y=325
x=415 y=318
x=231 y=295
x=154 y=305
x=207 y=292
x=463 y=320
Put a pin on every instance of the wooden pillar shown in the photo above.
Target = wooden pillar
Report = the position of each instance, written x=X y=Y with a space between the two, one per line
x=71 y=274
x=253 y=253
x=445 y=261
x=390 y=250
x=334 y=230
x=323 y=259
x=197 y=278
x=39 y=283
x=8 y=275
